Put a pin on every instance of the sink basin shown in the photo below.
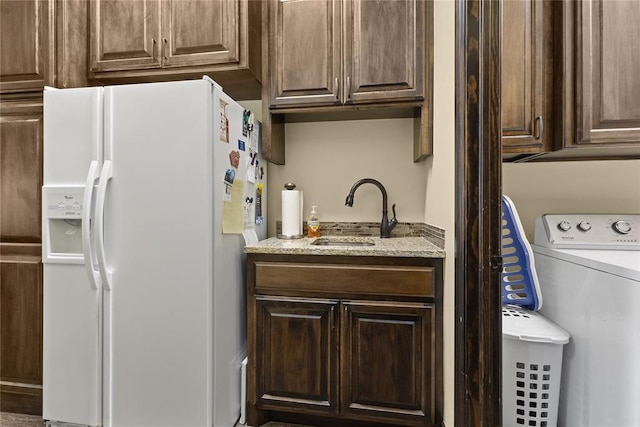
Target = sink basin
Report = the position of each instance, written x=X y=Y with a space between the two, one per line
x=343 y=241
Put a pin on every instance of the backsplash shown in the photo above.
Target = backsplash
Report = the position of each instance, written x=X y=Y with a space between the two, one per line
x=404 y=229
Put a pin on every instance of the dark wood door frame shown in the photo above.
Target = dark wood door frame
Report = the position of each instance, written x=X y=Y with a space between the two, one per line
x=478 y=191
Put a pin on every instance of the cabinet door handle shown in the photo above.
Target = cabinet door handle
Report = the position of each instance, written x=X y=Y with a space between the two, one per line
x=336 y=88
x=153 y=49
x=346 y=317
x=164 y=49
x=539 y=127
x=333 y=318
x=349 y=87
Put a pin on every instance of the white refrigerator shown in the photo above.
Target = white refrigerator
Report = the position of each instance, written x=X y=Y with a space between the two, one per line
x=146 y=189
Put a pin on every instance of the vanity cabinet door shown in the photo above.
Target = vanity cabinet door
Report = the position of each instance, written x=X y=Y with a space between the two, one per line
x=297 y=364
x=387 y=360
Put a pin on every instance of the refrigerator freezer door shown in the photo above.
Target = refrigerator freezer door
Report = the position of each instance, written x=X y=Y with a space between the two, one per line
x=158 y=247
x=72 y=352
x=73 y=134
x=72 y=306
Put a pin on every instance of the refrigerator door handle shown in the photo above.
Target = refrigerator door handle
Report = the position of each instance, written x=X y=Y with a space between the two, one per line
x=87 y=249
x=105 y=176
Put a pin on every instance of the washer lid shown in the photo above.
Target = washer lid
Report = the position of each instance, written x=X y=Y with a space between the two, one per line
x=625 y=264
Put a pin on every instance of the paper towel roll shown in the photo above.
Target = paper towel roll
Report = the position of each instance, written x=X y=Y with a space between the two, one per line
x=292 y=214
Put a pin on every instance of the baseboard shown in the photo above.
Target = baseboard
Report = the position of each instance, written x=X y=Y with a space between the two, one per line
x=21 y=400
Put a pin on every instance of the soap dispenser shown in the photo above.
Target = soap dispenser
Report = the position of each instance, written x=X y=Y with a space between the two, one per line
x=313 y=225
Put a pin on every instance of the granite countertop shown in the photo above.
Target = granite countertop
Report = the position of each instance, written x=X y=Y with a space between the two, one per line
x=418 y=247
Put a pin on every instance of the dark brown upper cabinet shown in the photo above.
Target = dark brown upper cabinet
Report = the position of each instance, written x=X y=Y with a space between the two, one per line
x=526 y=77
x=26 y=45
x=135 y=35
x=150 y=40
x=569 y=86
x=602 y=92
x=342 y=60
x=332 y=52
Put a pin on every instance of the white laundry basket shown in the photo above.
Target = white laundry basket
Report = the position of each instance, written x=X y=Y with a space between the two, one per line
x=531 y=368
x=531 y=344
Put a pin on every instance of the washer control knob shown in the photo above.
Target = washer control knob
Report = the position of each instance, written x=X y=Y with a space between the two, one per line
x=584 y=226
x=564 y=225
x=622 y=227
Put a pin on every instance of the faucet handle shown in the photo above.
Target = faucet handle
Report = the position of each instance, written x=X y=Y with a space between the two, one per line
x=393 y=221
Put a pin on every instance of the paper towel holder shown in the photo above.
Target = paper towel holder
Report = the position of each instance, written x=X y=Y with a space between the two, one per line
x=291 y=186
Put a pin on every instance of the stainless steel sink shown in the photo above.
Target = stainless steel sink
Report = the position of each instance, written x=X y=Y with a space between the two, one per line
x=343 y=241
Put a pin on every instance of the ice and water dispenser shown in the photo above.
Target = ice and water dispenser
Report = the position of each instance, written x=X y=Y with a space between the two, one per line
x=62 y=227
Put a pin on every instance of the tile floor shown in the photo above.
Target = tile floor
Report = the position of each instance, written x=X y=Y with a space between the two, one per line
x=20 y=420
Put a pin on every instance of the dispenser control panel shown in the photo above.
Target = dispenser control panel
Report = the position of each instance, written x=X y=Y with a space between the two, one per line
x=63 y=203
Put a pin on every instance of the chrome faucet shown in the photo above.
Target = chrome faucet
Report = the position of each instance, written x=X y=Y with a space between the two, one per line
x=385 y=225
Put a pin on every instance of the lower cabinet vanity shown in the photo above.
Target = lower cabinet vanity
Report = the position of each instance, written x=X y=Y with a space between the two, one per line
x=344 y=340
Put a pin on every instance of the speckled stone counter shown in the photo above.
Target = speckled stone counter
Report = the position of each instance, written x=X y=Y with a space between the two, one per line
x=418 y=247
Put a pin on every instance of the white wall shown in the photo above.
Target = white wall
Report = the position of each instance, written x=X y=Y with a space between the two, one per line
x=611 y=186
x=440 y=197
x=324 y=159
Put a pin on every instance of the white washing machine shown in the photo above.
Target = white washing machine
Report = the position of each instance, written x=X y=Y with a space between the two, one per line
x=589 y=272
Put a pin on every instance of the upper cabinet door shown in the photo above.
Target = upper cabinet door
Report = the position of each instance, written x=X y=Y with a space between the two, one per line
x=125 y=34
x=200 y=32
x=523 y=77
x=26 y=45
x=607 y=65
x=304 y=52
x=384 y=50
